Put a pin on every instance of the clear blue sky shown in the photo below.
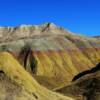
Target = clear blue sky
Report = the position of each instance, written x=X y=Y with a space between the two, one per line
x=79 y=16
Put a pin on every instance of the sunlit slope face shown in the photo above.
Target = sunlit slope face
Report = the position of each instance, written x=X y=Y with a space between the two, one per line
x=11 y=90
x=50 y=52
x=21 y=78
x=89 y=47
x=66 y=62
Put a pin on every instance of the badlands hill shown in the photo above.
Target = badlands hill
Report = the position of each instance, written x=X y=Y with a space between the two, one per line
x=18 y=84
x=86 y=86
x=38 y=59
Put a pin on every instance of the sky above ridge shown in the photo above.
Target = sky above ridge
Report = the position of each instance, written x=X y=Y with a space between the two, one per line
x=79 y=16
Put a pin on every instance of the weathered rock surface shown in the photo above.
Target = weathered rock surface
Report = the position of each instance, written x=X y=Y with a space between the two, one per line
x=18 y=84
x=86 y=86
x=50 y=54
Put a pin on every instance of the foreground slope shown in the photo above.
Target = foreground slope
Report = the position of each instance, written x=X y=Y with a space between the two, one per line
x=86 y=86
x=22 y=82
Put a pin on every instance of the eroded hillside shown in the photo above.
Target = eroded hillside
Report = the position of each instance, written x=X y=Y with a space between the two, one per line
x=18 y=84
x=46 y=55
x=50 y=53
x=86 y=85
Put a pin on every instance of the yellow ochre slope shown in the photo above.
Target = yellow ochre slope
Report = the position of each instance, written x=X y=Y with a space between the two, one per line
x=16 y=73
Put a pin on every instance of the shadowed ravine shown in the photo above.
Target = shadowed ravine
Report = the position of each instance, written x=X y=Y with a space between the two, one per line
x=93 y=70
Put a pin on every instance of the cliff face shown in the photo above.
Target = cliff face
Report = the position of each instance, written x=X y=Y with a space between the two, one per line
x=51 y=54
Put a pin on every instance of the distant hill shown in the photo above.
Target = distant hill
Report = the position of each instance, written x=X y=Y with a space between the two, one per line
x=97 y=37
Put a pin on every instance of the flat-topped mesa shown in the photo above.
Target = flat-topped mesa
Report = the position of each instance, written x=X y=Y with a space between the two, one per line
x=31 y=30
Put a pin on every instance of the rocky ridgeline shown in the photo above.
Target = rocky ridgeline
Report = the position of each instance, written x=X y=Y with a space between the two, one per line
x=11 y=33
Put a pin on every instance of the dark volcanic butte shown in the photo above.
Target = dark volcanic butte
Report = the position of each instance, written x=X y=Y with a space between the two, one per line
x=57 y=54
